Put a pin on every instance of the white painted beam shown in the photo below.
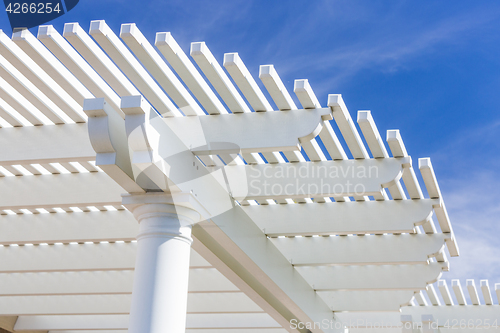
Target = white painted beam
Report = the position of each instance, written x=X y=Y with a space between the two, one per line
x=66 y=283
x=412 y=184
x=75 y=257
x=471 y=287
x=419 y=296
x=8 y=114
x=433 y=190
x=397 y=192
x=244 y=80
x=71 y=322
x=68 y=227
x=20 y=105
x=429 y=227
x=179 y=61
x=120 y=54
x=431 y=184
x=485 y=288
x=45 y=144
x=433 y=297
x=45 y=59
x=96 y=57
x=270 y=157
x=114 y=322
x=360 y=250
x=319 y=179
x=35 y=74
x=201 y=280
x=312 y=150
x=445 y=292
x=497 y=291
x=396 y=144
x=217 y=77
x=65 y=305
x=61 y=48
x=375 y=217
x=68 y=257
x=237 y=242
x=366 y=300
x=459 y=294
x=64 y=190
x=28 y=90
x=221 y=267
x=292 y=156
x=371 y=134
x=305 y=94
x=249 y=132
x=157 y=67
x=276 y=88
x=347 y=126
x=398 y=149
x=372 y=277
x=481 y=316
x=331 y=142
x=234 y=302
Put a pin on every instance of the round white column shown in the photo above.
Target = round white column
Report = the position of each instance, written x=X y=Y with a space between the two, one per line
x=159 y=297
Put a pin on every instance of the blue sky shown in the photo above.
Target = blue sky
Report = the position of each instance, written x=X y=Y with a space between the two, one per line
x=428 y=68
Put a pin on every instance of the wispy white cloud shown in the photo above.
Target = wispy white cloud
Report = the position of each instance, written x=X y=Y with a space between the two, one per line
x=382 y=49
x=471 y=189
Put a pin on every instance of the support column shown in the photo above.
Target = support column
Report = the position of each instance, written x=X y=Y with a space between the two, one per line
x=159 y=296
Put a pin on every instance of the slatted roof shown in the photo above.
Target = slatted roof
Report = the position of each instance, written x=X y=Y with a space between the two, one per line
x=68 y=244
x=447 y=308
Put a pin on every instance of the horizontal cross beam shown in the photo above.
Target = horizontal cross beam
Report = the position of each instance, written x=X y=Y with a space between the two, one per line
x=318 y=179
x=249 y=132
x=116 y=322
x=62 y=190
x=342 y=218
x=201 y=280
x=235 y=302
x=45 y=144
x=361 y=250
x=372 y=277
x=75 y=257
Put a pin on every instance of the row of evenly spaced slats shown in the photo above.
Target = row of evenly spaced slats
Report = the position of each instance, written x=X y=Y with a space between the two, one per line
x=79 y=63
x=442 y=296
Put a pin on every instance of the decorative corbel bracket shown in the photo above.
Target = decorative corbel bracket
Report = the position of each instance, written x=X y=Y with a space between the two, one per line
x=108 y=138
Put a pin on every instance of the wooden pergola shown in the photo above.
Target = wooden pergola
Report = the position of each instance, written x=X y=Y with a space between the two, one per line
x=251 y=218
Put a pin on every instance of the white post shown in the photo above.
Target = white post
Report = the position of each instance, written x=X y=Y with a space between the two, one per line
x=159 y=296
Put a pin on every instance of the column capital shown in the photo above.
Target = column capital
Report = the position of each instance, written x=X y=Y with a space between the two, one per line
x=162 y=215
x=182 y=204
